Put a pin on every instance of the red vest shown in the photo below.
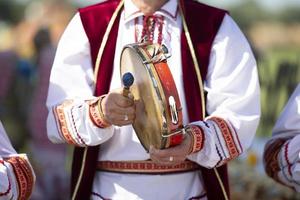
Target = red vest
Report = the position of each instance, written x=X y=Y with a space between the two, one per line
x=203 y=22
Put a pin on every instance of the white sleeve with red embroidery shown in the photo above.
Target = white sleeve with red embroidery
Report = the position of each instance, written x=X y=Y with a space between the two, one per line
x=16 y=174
x=71 y=91
x=286 y=133
x=233 y=98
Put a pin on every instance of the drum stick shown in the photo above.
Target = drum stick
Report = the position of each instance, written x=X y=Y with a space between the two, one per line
x=127 y=80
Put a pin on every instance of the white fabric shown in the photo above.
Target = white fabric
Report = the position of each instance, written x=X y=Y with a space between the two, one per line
x=288 y=125
x=231 y=83
x=6 y=171
x=6 y=148
x=7 y=175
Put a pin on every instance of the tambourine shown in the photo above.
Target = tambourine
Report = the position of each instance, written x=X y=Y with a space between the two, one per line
x=158 y=119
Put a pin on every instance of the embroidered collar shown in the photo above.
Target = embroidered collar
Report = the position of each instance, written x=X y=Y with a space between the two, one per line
x=169 y=10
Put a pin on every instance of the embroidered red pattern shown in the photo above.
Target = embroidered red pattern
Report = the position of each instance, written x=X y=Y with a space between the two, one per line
x=62 y=121
x=227 y=135
x=145 y=167
x=149 y=25
x=271 y=158
x=24 y=176
x=286 y=146
x=197 y=135
x=95 y=115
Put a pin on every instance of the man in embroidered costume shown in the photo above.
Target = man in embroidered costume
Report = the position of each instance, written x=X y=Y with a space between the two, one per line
x=16 y=174
x=78 y=116
x=281 y=154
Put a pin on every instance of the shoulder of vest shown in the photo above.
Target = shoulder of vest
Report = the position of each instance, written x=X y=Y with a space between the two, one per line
x=103 y=6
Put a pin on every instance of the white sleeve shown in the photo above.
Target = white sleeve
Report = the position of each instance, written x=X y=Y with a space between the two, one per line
x=17 y=177
x=71 y=86
x=233 y=98
x=6 y=148
x=8 y=183
x=283 y=149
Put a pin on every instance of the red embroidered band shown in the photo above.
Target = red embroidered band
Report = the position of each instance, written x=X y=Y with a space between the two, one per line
x=96 y=113
x=62 y=122
x=24 y=176
x=149 y=24
x=145 y=167
x=227 y=135
x=270 y=156
x=197 y=136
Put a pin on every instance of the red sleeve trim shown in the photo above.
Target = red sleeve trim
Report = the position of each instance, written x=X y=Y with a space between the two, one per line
x=227 y=135
x=197 y=136
x=96 y=114
x=271 y=158
x=24 y=176
x=62 y=122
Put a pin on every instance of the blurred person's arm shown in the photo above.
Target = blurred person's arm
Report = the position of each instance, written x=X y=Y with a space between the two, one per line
x=74 y=115
x=281 y=156
x=16 y=174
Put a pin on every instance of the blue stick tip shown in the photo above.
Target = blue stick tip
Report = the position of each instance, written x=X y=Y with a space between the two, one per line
x=127 y=79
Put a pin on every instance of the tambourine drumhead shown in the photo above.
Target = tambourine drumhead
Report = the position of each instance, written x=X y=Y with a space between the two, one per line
x=147 y=124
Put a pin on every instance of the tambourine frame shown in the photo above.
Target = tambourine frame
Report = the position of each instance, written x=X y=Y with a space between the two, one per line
x=147 y=59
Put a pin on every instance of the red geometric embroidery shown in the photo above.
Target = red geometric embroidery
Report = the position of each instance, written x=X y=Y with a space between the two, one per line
x=271 y=158
x=287 y=158
x=24 y=176
x=227 y=135
x=197 y=135
x=62 y=122
x=145 y=167
x=95 y=114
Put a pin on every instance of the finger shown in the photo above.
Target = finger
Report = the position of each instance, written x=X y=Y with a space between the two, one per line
x=177 y=154
x=124 y=101
x=120 y=110
x=116 y=118
x=171 y=160
x=159 y=158
x=160 y=161
x=122 y=123
x=130 y=96
x=163 y=153
x=181 y=150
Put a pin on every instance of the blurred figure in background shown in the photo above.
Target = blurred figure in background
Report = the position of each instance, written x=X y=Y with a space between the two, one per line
x=16 y=174
x=26 y=53
x=7 y=67
x=49 y=159
x=14 y=94
x=282 y=152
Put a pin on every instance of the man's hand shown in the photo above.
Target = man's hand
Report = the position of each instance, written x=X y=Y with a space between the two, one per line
x=117 y=109
x=173 y=155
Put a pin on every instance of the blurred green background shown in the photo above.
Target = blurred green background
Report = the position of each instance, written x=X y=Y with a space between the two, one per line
x=273 y=30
